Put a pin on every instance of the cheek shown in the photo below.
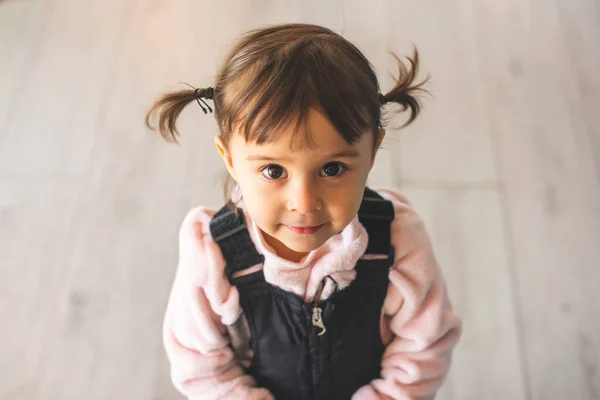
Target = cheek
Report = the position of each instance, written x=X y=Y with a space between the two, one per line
x=261 y=206
x=342 y=212
x=247 y=184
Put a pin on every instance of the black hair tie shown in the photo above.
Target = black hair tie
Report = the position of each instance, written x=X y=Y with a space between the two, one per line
x=208 y=94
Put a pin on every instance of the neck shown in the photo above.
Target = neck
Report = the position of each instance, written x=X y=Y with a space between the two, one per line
x=282 y=250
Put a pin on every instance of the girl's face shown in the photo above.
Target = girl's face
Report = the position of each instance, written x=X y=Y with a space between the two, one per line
x=301 y=198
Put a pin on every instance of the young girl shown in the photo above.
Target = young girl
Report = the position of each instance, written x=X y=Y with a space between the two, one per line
x=307 y=284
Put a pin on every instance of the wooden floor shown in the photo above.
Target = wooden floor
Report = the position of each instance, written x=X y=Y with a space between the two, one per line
x=504 y=166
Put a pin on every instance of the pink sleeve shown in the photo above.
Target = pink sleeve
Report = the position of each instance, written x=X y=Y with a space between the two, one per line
x=203 y=365
x=417 y=317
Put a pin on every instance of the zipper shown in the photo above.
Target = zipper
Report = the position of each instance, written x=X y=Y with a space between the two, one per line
x=317 y=321
x=317 y=312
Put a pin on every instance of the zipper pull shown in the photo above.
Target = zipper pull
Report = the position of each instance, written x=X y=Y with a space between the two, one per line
x=317 y=320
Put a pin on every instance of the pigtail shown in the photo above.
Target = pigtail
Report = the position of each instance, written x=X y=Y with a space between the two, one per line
x=405 y=91
x=166 y=110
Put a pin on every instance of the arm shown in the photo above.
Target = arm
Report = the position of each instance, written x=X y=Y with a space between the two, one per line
x=203 y=364
x=418 y=321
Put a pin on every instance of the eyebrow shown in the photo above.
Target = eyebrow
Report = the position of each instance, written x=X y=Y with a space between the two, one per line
x=340 y=154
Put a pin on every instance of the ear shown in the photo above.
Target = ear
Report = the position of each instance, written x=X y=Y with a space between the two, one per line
x=225 y=156
x=378 y=140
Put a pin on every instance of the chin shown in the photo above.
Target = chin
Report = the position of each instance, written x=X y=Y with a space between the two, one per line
x=304 y=246
x=303 y=249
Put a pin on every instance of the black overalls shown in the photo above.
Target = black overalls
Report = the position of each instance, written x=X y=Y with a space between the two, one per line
x=320 y=350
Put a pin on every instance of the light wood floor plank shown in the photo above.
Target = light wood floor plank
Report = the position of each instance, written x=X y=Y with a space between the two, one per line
x=468 y=235
x=107 y=334
x=59 y=106
x=450 y=142
x=20 y=32
x=36 y=225
x=580 y=27
x=552 y=197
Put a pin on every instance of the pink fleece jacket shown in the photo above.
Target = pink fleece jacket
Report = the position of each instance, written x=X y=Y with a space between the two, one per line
x=206 y=336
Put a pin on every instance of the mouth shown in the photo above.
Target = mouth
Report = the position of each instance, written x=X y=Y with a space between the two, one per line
x=305 y=230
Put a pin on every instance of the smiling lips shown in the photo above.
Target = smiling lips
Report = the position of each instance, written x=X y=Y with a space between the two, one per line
x=305 y=230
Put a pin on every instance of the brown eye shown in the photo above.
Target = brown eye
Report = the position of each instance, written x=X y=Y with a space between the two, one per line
x=273 y=172
x=332 y=169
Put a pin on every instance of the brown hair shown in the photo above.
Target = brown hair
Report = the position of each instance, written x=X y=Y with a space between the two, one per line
x=274 y=75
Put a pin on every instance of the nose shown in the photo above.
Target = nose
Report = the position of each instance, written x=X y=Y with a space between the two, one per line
x=304 y=198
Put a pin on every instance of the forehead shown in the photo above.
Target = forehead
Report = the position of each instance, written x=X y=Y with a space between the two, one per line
x=317 y=136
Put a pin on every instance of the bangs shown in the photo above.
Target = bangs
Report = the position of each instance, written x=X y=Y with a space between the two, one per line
x=271 y=97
